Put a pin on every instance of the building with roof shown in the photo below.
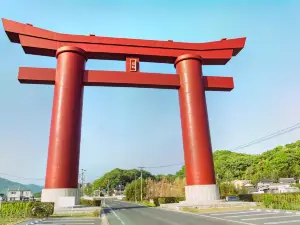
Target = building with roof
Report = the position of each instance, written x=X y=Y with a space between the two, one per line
x=287 y=180
x=19 y=195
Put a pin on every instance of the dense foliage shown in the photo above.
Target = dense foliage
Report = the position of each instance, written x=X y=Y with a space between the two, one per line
x=289 y=201
x=26 y=209
x=86 y=202
x=280 y=162
x=37 y=195
x=88 y=189
x=119 y=177
x=133 y=190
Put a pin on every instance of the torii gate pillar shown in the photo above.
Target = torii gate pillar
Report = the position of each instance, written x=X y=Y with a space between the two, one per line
x=64 y=141
x=200 y=175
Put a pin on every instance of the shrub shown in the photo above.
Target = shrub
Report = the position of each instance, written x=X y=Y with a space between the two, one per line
x=166 y=200
x=258 y=197
x=86 y=202
x=227 y=189
x=133 y=190
x=26 y=209
x=246 y=197
x=288 y=201
x=155 y=202
x=96 y=213
x=149 y=204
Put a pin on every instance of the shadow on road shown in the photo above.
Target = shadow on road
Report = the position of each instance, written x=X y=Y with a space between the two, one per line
x=115 y=208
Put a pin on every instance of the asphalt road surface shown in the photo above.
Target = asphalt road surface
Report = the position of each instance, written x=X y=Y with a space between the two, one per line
x=124 y=213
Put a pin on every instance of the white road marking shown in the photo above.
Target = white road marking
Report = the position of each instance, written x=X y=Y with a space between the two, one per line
x=282 y=222
x=68 y=220
x=217 y=218
x=115 y=214
x=205 y=216
x=257 y=214
x=63 y=222
x=199 y=215
x=273 y=217
x=231 y=213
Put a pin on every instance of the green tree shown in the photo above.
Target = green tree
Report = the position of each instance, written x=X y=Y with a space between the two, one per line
x=88 y=189
x=133 y=190
x=226 y=189
x=119 y=177
x=181 y=172
x=37 y=195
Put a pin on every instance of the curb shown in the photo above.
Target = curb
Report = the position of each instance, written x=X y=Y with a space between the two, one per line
x=34 y=221
x=103 y=218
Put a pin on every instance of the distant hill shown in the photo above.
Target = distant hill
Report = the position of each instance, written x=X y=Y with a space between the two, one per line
x=5 y=184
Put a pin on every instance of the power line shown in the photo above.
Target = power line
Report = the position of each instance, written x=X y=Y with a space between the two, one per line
x=265 y=138
x=259 y=140
x=25 y=178
x=154 y=167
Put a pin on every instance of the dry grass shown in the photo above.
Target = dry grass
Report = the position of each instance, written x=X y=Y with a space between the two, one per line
x=11 y=221
x=94 y=214
x=211 y=210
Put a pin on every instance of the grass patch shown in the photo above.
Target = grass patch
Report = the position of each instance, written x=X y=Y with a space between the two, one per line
x=76 y=215
x=211 y=210
x=11 y=221
x=95 y=213
x=147 y=203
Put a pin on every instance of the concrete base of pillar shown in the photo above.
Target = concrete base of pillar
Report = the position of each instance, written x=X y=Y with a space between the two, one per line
x=195 y=194
x=62 y=197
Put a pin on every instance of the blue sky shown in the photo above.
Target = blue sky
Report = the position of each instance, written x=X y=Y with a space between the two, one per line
x=127 y=127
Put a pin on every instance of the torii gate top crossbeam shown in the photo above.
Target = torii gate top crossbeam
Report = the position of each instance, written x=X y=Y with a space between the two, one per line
x=39 y=41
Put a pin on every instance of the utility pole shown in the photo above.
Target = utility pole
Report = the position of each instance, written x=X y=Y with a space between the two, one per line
x=141 y=168
x=135 y=187
x=108 y=187
x=82 y=179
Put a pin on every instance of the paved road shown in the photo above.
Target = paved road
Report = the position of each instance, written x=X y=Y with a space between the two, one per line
x=123 y=213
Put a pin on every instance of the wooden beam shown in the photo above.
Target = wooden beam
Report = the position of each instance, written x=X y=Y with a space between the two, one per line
x=213 y=83
x=13 y=29
x=38 y=46
x=29 y=75
x=39 y=41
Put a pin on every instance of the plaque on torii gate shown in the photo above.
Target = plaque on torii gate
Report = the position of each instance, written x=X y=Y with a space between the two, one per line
x=70 y=77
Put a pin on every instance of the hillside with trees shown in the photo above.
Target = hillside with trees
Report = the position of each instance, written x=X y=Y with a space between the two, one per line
x=280 y=162
x=119 y=177
x=6 y=184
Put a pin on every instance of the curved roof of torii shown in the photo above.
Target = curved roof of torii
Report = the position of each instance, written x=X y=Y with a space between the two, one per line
x=43 y=42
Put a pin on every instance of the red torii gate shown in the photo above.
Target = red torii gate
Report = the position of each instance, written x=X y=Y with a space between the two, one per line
x=69 y=77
